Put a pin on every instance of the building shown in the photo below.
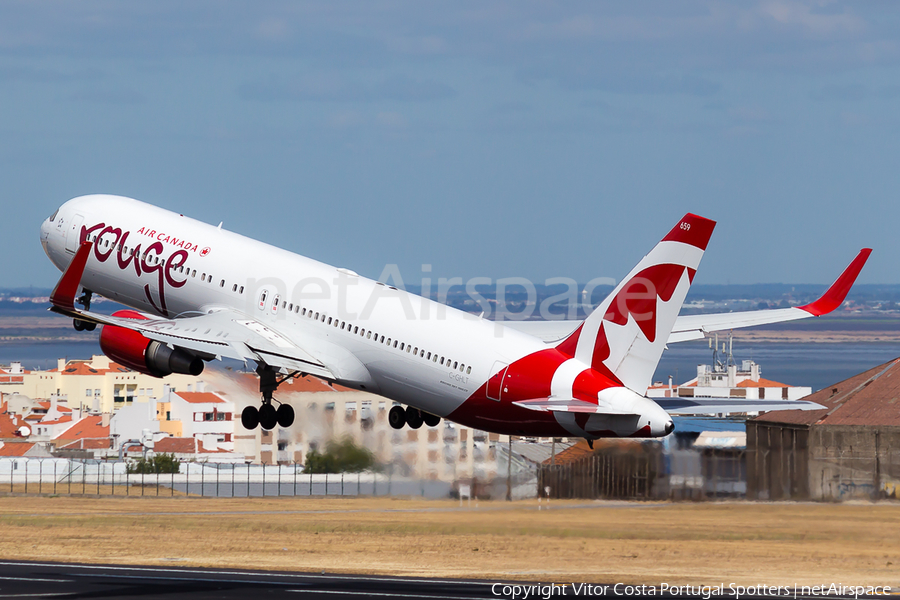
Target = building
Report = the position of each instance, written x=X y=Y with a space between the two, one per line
x=206 y=416
x=851 y=448
x=97 y=385
x=721 y=381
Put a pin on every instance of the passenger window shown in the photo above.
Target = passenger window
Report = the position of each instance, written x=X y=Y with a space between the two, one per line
x=416 y=351
x=304 y=312
x=422 y=354
x=241 y=291
x=234 y=288
x=203 y=277
x=428 y=357
x=401 y=346
x=222 y=283
x=369 y=336
x=469 y=371
x=291 y=306
x=329 y=320
x=355 y=330
x=434 y=359
x=455 y=364
x=194 y=274
x=408 y=349
x=317 y=316
x=442 y=360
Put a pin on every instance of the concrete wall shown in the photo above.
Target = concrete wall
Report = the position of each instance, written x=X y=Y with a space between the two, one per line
x=822 y=462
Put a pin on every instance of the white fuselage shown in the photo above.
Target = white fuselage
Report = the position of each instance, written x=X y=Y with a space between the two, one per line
x=186 y=267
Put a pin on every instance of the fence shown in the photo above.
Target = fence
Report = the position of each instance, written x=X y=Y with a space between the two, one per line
x=111 y=478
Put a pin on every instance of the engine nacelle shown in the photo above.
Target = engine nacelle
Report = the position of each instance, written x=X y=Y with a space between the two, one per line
x=133 y=350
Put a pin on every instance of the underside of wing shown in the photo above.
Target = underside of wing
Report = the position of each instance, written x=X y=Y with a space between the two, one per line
x=707 y=406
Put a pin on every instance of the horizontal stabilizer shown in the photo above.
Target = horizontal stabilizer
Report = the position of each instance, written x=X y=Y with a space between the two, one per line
x=570 y=405
x=706 y=406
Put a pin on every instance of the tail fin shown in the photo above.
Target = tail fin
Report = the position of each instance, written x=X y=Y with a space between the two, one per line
x=625 y=336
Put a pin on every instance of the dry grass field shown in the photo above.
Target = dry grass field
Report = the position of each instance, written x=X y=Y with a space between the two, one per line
x=590 y=541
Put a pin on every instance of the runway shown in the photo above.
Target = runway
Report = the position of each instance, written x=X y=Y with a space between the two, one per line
x=61 y=581
x=56 y=580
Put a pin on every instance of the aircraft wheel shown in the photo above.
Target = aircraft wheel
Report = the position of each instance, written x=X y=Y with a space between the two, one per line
x=285 y=415
x=90 y=326
x=78 y=324
x=397 y=417
x=430 y=419
x=268 y=416
x=250 y=418
x=413 y=417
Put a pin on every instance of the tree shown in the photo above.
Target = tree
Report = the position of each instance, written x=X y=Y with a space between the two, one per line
x=159 y=463
x=339 y=457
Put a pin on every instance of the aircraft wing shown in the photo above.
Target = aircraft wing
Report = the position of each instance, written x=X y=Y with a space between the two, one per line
x=706 y=406
x=222 y=333
x=694 y=327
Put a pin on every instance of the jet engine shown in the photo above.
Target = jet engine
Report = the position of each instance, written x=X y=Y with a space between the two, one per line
x=132 y=349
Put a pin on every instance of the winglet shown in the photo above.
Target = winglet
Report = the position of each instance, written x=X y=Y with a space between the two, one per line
x=834 y=296
x=63 y=296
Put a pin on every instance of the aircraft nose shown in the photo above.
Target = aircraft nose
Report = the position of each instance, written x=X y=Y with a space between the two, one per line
x=670 y=427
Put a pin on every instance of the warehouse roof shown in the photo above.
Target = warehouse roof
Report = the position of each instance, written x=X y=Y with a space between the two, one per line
x=870 y=398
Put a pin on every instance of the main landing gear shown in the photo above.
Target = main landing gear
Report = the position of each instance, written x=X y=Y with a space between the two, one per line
x=398 y=417
x=267 y=416
x=85 y=301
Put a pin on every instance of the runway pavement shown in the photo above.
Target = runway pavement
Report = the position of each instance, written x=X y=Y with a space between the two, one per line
x=56 y=580
x=59 y=581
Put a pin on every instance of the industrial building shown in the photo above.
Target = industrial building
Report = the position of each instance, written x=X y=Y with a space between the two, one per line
x=849 y=449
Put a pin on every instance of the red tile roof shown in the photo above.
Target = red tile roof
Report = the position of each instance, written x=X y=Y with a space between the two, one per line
x=83 y=367
x=87 y=444
x=9 y=424
x=309 y=383
x=181 y=445
x=870 y=398
x=59 y=407
x=176 y=445
x=87 y=428
x=762 y=383
x=15 y=448
x=199 y=397
x=62 y=419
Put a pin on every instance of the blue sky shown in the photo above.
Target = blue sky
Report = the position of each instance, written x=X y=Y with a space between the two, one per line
x=499 y=139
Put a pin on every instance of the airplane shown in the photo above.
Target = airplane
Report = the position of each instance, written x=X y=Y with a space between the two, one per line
x=197 y=292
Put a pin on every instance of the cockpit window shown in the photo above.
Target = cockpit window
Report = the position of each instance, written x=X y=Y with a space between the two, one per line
x=53 y=216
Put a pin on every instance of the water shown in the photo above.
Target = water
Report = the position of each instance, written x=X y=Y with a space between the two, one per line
x=43 y=356
x=817 y=365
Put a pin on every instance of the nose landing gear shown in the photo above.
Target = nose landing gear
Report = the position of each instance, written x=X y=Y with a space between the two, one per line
x=415 y=418
x=267 y=416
